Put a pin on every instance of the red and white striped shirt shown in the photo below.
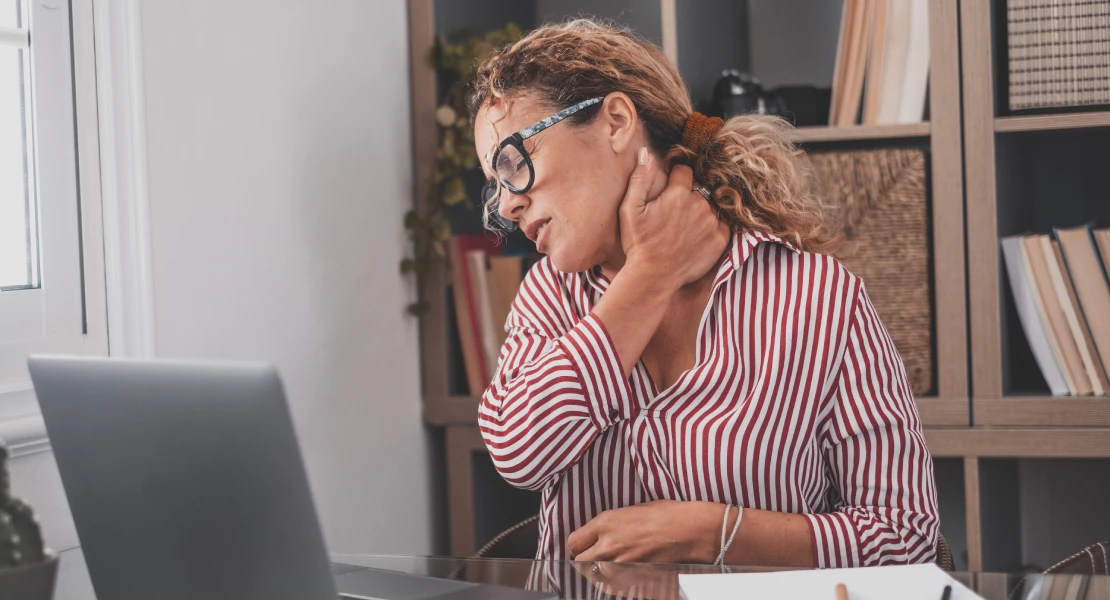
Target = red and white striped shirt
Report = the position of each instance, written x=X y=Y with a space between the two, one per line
x=797 y=402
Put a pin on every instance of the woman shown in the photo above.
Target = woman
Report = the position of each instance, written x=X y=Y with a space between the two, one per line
x=685 y=381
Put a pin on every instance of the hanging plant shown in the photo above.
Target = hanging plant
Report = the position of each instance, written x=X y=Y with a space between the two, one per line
x=456 y=61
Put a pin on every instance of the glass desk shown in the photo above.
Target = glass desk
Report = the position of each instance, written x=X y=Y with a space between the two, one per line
x=615 y=580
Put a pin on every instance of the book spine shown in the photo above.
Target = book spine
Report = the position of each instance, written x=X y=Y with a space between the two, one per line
x=486 y=328
x=1021 y=288
x=466 y=318
x=1042 y=301
x=1066 y=292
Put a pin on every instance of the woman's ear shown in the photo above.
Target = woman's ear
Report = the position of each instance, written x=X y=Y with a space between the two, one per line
x=619 y=121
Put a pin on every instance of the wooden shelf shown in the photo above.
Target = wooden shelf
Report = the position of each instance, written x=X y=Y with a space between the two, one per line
x=860 y=132
x=1052 y=122
x=1018 y=442
x=943 y=411
x=1042 y=411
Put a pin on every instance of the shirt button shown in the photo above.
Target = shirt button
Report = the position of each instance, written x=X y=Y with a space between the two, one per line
x=614 y=415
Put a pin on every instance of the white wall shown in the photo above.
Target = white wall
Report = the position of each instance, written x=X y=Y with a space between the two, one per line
x=280 y=168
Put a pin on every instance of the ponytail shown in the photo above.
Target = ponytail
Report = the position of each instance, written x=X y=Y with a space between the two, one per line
x=760 y=180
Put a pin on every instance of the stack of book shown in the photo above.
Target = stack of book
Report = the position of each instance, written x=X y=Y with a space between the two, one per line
x=882 y=63
x=1062 y=292
x=1059 y=53
x=484 y=284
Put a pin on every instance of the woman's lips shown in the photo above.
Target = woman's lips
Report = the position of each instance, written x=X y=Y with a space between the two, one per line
x=541 y=236
x=535 y=232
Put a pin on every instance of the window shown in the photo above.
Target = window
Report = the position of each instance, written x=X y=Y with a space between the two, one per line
x=45 y=306
x=19 y=250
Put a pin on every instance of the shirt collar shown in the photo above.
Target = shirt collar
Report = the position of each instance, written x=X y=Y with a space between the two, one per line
x=745 y=243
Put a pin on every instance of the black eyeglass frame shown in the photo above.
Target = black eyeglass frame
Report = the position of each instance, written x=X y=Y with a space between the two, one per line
x=516 y=140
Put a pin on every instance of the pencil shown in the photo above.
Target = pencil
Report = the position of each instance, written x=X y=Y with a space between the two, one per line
x=841 y=592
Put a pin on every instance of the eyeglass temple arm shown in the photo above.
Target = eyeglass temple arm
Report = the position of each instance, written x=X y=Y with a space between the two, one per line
x=539 y=126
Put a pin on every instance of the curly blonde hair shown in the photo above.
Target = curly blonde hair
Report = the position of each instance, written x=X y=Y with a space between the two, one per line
x=757 y=177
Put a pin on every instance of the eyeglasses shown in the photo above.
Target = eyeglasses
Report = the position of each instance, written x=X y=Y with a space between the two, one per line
x=513 y=167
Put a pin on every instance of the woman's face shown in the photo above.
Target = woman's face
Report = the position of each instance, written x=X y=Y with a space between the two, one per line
x=581 y=175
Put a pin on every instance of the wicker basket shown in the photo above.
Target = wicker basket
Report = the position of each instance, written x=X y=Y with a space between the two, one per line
x=881 y=210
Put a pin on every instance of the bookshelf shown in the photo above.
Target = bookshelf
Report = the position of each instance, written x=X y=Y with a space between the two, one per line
x=861 y=132
x=1024 y=173
x=987 y=414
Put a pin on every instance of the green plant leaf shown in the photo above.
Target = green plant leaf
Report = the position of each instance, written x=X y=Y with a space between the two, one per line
x=442 y=229
x=469 y=157
x=417 y=309
x=455 y=58
x=453 y=191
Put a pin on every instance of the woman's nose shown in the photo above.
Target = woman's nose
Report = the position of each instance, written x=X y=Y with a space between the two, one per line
x=512 y=205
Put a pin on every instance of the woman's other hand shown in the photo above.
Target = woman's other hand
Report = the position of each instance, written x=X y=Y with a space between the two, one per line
x=676 y=236
x=664 y=531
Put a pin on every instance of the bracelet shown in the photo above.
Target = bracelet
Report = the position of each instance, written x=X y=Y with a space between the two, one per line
x=736 y=527
x=724 y=528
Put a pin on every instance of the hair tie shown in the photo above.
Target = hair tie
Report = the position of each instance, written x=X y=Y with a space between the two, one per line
x=699 y=128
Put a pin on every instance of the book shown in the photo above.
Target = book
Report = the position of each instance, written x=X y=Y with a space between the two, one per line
x=1059 y=333
x=857 y=64
x=841 y=60
x=490 y=341
x=851 y=61
x=505 y=276
x=1100 y=383
x=1022 y=288
x=1102 y=240
x=875 y=66
x=1092 y=287
x=894 y=62
x=478 y=374
x=915 y=74
x=1042 y=313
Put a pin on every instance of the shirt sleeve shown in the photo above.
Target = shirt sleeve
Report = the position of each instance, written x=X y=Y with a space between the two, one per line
x=876 y=458
x=552 y=393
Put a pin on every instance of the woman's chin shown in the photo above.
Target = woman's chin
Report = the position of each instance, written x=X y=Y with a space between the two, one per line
x=568 y=262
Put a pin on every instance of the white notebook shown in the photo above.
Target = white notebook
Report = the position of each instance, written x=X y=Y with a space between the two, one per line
x=905 y=582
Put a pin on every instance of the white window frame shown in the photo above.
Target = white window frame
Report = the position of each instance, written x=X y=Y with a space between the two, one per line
x=108 y=112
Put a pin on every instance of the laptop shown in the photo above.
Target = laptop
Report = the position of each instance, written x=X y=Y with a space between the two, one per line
x=185 y=481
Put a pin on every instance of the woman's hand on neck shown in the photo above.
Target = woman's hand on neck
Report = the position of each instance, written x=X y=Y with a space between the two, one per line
x=616 y=258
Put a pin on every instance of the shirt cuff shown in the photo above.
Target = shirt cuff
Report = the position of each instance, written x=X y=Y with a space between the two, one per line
x=834 y=540
x=591 y=350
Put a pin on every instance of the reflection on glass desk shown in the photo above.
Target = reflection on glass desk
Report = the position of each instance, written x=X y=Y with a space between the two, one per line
x=624 y=580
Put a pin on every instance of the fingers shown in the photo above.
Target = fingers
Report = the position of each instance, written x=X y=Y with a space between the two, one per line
x=681 y=178
x=596 y=553
x=581 y=540
x=639 y=183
